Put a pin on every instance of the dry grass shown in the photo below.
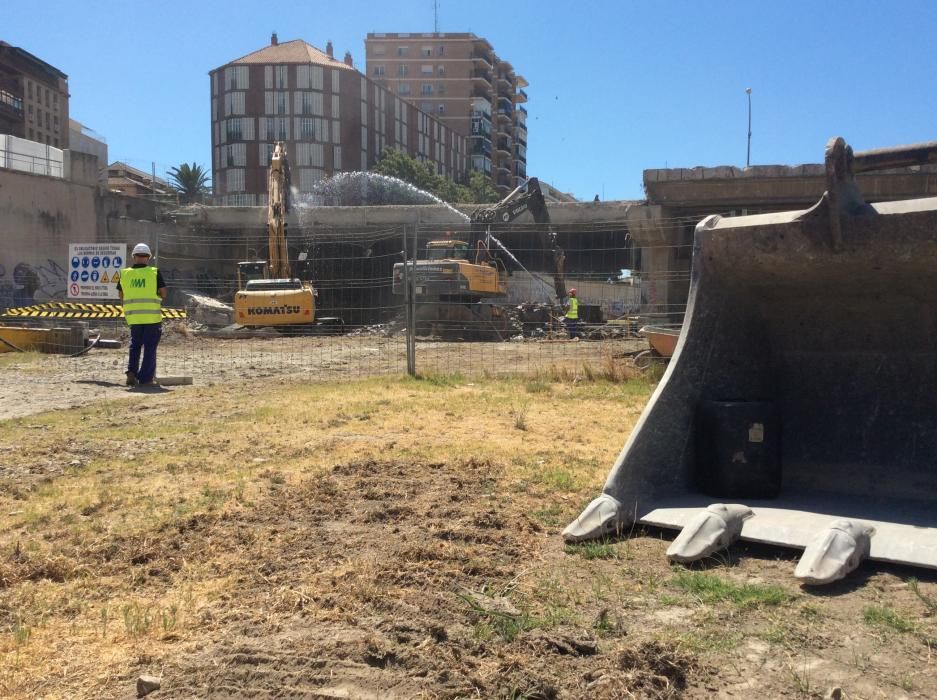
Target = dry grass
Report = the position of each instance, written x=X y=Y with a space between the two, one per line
x=412 y=523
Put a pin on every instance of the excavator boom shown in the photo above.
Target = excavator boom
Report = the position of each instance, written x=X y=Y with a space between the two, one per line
x=278 y=206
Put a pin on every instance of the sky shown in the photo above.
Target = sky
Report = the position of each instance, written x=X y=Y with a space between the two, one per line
x=616 y=86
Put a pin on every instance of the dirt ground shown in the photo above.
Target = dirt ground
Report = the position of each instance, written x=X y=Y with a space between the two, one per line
x=51 y=382
x=318 y=542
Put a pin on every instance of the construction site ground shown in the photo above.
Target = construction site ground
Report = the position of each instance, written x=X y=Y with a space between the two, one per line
x=285 y=528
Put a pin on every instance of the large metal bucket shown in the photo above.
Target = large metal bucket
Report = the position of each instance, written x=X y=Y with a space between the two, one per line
x=825 y=320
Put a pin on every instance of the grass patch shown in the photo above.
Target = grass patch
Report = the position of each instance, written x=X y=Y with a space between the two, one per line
x=9 y=359
x=885 y=617
x=712 y=589
x=597 y=549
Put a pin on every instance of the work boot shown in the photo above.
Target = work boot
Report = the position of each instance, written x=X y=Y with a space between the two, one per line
x=131 y=379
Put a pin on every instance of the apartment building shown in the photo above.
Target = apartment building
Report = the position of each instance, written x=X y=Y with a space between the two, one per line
x=460 y=79
x=331 y=116
x=33 y=98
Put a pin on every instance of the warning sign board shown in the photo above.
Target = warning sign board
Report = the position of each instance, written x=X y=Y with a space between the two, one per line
x=93 y=269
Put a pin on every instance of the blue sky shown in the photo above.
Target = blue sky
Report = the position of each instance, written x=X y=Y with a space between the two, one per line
x=615 y=86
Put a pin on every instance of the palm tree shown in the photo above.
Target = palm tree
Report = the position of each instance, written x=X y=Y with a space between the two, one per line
x=189 y=181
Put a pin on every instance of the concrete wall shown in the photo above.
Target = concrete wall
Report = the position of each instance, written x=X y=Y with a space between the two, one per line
x=40 y=216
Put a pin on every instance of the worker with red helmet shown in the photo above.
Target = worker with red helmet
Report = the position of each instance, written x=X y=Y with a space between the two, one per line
x=571 y=319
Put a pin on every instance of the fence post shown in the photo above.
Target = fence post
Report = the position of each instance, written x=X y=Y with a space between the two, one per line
x=408 y=307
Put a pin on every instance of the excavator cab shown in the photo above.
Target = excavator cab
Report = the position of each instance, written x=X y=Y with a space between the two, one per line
x=447 y=250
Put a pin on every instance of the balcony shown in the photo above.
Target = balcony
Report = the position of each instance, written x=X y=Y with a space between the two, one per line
x=11 y=105
x=503 y=146
x=505 y=181
x=482 y=60
x=482 y=78
x=521 y=96
x=504 y=81
x=482 y=164
x=520 y=153
x=481 y=148
x=502 y=167
x=520 y=136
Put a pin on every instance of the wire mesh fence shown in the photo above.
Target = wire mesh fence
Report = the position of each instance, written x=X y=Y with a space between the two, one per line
x=424 y=299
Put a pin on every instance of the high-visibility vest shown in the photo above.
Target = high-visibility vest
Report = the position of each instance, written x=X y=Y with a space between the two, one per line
x=142 y=303
x=573 y=312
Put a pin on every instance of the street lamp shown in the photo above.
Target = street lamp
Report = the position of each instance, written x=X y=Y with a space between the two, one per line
x=748 y=153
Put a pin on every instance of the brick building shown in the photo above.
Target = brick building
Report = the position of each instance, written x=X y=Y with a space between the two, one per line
x=459 y=78
x=33 y=98
x=331 y=116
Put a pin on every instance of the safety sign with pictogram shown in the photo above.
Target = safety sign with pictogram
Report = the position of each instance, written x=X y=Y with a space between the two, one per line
x=94 y=269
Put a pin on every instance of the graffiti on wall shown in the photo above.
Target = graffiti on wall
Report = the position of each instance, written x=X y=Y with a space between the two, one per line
x=28 y=283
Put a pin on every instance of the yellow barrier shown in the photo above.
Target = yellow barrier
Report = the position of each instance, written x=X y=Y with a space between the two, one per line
x=79 y=310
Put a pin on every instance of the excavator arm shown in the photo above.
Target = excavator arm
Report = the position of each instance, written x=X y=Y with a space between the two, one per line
x=278 y=206
x=526 y=197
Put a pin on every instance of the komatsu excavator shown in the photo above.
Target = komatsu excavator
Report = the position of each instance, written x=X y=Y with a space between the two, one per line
x=268 y=295
x=455 y=285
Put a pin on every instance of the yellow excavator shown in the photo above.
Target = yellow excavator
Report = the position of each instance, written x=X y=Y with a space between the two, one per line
x=456 y=284
x=268 y=295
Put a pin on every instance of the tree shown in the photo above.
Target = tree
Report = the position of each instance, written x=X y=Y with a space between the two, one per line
x=421 y=174
x=481 y=188
x=189 y=181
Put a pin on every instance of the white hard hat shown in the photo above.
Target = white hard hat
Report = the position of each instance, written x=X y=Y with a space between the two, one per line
x=141 y=249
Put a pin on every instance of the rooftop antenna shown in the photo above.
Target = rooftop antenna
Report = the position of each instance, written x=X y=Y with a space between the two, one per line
x=436 y=16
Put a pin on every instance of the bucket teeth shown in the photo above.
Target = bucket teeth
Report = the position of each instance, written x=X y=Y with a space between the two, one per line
x=708 y=531
x=835 y=552
x=603 y=516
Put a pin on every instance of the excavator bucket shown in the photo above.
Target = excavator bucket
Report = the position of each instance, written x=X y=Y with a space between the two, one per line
x=800 y=407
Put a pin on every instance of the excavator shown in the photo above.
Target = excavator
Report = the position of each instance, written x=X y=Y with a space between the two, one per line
x=454 y=285
x=268 y=295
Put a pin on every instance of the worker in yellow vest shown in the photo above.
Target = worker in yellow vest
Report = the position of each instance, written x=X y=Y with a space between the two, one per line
x=142 y=289
x=572 y=315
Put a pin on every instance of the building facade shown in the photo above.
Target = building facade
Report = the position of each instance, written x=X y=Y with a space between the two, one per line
x=33 y=98
x=460 y=79
x=332 y=118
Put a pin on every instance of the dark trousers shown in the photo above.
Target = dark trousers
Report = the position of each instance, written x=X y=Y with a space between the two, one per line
x=145 y=337
x=572 y=327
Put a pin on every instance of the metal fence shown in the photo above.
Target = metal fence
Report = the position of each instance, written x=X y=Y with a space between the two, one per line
x=370 y=278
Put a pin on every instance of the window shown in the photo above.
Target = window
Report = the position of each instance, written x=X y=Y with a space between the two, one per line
x=403 y=50
x=440 y=89
x=279 y=77
x=426 y=89
x=426 y=70
x=378 y=50
x=426 y=51
x=283 y=129
x=441 y=109
x=378 y=71
x=31 y=135
x=233 y=129
x=441 y=71
x=403 y=70
x=30 y=112
x=306 y=129
x=29 y=88
x=440 y=50
x=281 y=102
x=426 y=107
x=403 y=89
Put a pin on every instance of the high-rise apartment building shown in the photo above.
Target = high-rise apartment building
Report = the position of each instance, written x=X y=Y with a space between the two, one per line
x=33 y=98
x=331 y=116
x=460 y=79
